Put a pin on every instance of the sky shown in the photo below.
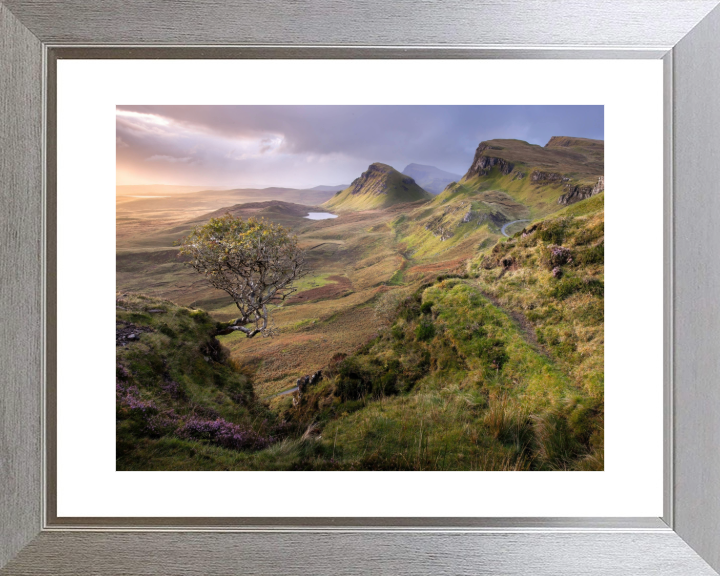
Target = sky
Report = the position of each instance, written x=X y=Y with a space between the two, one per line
x=307 y=146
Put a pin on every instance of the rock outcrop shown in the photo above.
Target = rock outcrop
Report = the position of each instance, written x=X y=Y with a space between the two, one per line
x=473 y=215
x=544 y=178
x=482 y=162
x=127 y=332
x=581 y=192
x=563 y=158
x=309 y=380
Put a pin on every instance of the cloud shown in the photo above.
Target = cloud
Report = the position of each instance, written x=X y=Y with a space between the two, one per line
x=270 y=144
x=309 y=145
x=172 y=159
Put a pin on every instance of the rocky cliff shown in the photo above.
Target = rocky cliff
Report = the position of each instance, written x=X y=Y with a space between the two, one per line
x=565 y=170
x=561 y=157
x=581 y=192
x=485 y=160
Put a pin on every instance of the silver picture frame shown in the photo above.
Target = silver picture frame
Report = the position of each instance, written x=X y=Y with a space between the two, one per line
x=685 y=34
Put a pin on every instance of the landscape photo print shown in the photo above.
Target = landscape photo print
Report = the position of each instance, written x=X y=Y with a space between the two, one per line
x=368 y=287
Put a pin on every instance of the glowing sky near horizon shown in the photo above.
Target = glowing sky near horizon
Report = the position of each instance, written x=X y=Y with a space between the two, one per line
x=306 y=146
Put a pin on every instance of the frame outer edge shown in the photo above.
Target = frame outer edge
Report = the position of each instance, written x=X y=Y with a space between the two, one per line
x=492 y=535
x=20 y=275
x=668 y=295
x=650 y=23
x=21 y=282
x=401 y=554
x=696 y=111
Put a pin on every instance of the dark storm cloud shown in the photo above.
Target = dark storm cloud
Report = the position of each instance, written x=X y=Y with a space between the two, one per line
x=310 y=145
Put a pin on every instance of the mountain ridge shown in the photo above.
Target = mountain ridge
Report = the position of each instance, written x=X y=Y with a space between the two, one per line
x=508 y=181
x=565 y=141
x=564 y=155
x=380 y=186
x=430 y=178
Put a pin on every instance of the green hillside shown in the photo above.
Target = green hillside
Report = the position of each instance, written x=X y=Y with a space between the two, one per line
x=380 y=186
x=463 y=331
x=540 y=177
x=178 y=394
x=500 y=368
x=508 y=180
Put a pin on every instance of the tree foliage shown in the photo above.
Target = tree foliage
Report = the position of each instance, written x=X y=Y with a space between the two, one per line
x=254 y=261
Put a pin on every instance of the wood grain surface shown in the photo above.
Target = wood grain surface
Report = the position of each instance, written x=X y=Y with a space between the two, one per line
x=641 y=25
x=365 y=22
x=20 y=284
x=697 y=288
x=76 y=554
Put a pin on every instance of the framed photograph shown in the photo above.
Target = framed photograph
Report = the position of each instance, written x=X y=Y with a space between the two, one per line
x=368 y=314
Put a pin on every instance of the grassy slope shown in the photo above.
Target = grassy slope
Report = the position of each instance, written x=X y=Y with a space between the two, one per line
x=499 y=370
x=495 y=198
x=137 y=218
x=380 y=186
x=577 y=158
x=513 y=365
x=148 y=263
x=329 y=313
x=284 y=213
x=579 y=161
x=363 y=264
x=173 y=381
x=352 y=260
x=566 y=312
x=469 y=386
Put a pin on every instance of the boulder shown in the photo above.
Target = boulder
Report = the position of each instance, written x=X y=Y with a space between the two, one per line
x=309 y=380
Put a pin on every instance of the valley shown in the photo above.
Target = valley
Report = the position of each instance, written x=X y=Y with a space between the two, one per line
x=455 y=330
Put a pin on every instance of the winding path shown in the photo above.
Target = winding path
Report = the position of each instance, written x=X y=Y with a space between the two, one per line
x=521 y=322
x=283 y=393
x=502 y=230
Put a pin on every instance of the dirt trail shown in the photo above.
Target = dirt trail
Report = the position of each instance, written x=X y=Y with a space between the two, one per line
x=323 y=244
x=508 y=224
x=283 y=393
x=522 y=322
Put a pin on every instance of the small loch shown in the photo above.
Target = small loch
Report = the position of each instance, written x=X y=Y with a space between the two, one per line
x=320 y=216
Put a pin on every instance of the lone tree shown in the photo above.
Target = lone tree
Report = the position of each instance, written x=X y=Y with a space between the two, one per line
x=254 y=261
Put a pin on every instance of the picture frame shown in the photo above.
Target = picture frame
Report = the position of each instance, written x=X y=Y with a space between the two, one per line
x=685 y=34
